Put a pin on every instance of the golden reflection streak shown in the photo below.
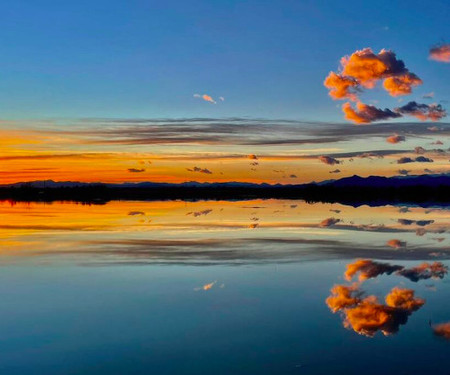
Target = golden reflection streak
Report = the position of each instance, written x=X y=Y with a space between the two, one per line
x=26 y=222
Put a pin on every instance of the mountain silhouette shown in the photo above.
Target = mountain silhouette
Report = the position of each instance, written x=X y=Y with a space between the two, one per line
x=355 y=190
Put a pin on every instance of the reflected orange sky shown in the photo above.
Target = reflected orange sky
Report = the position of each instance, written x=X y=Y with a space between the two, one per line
x=297 y=225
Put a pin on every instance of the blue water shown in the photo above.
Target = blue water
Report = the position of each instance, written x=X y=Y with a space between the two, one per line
x=78 y=317
x=149 y=319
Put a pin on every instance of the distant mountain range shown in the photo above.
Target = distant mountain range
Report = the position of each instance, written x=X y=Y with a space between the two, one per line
x=355 y=190
x=396 y=181
x=353 y=181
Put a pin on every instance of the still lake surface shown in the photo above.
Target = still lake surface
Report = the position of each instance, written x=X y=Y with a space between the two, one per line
x=215 y=287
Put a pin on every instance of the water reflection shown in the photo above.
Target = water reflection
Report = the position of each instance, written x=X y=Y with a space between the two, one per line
x=365 y=314
x=368 y=269
x=208 y=286
x=222 y=231
x=223 y=287
x=442 y=330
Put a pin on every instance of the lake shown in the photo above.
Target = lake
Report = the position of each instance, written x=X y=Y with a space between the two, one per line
x=223 y=287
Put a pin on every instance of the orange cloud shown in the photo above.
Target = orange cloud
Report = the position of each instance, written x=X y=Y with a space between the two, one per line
x=208 y=98
x=209 y=286
x=206 y=286
x=440 y=53
x=341 y=87
x=367 y=316
x=329 y=222
x=404 y=299
x=365 y=114
x=343 y=296
x=368 y=269
x=205 y=97
x=424 y=271
x=442 y=330
x=396 y=244
x=401 y=85
x=395 y=138
x=364 y=68
x=423 y=112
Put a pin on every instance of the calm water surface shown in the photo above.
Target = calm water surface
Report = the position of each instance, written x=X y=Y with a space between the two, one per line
x=254 y=287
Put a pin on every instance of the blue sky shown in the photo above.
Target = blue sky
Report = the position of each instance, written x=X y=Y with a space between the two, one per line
x=146 y=58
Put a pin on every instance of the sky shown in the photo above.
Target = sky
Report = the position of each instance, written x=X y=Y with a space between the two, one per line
x=222 y=90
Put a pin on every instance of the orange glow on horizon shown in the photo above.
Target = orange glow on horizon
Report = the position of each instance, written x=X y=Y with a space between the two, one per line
x=29 y=155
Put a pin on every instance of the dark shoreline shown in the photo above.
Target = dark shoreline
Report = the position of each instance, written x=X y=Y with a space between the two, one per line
x=373 y=196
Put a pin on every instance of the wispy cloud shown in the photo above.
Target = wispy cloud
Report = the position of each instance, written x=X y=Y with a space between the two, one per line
x=423 y=112
x=418 y=159
x=210 y=131
x=420 y=223
x=328 y=160
x=200 y=213
x=395 y=138
x=396 y=244
x=329 y=222
x=425 y=271
x=442 y=330
x=440 y=53
x=366 y=114
x=206 y=98
x=200 y=170
x=368 y=269
x=206 y=287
